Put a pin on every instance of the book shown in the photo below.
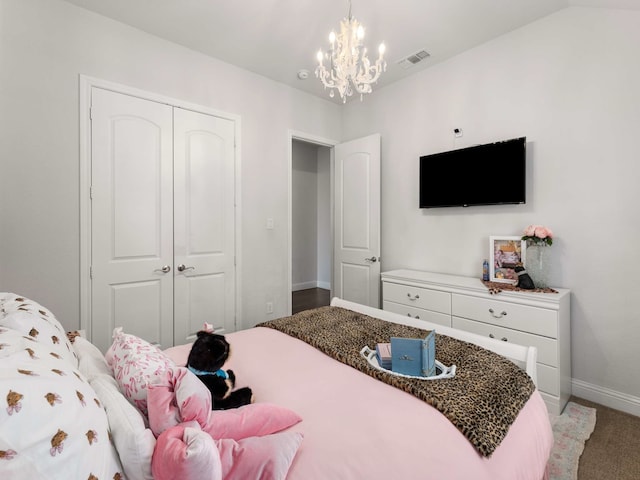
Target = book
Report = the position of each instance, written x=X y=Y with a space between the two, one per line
x=383 y=352
x=414 y=356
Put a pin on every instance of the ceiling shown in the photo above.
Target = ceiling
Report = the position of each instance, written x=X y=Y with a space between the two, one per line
x=277 y=38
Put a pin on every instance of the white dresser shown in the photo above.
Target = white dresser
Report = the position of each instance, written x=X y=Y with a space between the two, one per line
x=538 y=319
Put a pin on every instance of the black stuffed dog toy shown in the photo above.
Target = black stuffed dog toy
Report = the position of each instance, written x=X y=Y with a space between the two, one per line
x=524 y=280
x=206 y=358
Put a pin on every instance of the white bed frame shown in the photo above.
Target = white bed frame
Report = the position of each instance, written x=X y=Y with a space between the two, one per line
x=524 y=357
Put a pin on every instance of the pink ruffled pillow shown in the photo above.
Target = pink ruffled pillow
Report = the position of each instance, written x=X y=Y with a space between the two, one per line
x=181 y=397
x=259 y=458
x=245 y=445
x=166 y=395
x=252 y=420
x=187 y=453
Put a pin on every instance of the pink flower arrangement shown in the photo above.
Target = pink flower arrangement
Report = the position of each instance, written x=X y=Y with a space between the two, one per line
x=538 y=234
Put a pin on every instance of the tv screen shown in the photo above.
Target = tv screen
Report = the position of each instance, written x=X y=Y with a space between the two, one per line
x=490 y=174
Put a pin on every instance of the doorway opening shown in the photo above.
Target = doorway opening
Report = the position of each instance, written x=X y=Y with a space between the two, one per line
x=311 y=241
x=311 y=222
x=353 y=230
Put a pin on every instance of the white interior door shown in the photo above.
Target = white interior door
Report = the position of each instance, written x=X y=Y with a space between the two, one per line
x=357 y=221
x=132 y=218
x=204 y=241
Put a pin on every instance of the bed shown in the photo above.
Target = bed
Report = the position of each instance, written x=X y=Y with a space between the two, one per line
x=314 y=417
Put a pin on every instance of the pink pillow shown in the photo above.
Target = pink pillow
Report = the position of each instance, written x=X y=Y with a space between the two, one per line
x=259 y=458
x=136 y=364
x=192 y=396
x=163 y=412
x=179 y=396
x=252 y=420
x=186 y=452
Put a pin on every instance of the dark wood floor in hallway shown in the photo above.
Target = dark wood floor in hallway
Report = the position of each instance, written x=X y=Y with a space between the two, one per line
x=309 y=298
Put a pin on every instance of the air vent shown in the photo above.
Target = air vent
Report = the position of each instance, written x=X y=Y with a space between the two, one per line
x=411 y=60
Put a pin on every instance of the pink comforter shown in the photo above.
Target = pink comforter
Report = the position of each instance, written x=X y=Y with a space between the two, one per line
x=356 y=427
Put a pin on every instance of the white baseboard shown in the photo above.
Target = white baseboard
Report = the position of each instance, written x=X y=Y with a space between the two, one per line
x=304 y=286
x=313 y=284
x=607 y=397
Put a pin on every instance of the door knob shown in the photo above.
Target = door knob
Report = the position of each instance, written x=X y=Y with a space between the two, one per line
x=165 y=269
x=182 y=268
x=372 y=259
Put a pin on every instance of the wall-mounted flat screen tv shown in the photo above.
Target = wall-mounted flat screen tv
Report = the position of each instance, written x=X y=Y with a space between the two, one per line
x=490 y=174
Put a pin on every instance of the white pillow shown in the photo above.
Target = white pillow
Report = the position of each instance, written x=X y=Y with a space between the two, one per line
x=91 y=362
x=136 y=364
x=53 y=424
x=135 y=443
x=37 y=323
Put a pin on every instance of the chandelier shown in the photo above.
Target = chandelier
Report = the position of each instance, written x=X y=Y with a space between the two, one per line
x=349 y=67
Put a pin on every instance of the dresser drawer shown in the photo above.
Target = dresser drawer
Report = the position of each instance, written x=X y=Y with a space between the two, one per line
x=539 y=321
x=547 y=347
x=417 y=297
x=419 y=313
x=548 y=380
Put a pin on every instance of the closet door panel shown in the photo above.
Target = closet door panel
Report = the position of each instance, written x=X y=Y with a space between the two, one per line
x=204 y=202
x=205 y=301
x=132 y=218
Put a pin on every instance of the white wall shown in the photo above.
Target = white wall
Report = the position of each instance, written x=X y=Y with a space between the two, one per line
x=325 y=229
x=304 y=210
x=569 y=82
x=44 y=46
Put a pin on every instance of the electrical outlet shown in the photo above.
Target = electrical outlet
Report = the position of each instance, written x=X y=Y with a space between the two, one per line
x=269 y=307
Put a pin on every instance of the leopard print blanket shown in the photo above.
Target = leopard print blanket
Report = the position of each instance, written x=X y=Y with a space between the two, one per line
x=482 y=400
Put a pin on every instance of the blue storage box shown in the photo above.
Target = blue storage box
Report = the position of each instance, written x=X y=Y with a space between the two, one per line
x=414 y=356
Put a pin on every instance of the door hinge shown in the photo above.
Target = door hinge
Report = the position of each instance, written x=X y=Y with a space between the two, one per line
x=91 y=192
x=90 y=113
x=91 y=272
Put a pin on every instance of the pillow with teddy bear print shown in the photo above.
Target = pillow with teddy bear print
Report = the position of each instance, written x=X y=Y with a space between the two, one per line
x=36 y=323
x=52 y=423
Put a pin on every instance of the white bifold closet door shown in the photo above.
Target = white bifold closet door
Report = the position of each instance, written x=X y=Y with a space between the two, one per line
x=162 y=220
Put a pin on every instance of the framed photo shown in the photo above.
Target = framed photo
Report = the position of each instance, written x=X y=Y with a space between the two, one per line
x=506 y=253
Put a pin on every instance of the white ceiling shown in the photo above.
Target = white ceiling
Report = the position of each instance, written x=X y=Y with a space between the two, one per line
x=277 y=38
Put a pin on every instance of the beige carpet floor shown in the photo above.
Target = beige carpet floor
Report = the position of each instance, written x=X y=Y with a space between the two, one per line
x=613 y=450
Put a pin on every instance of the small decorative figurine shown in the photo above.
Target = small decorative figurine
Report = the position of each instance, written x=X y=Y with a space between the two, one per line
x=524 y=280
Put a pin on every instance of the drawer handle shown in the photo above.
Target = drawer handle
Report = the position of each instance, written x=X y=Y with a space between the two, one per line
x=416 y=317
x=504 y=339
x=493 y=313
x=415 y=297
